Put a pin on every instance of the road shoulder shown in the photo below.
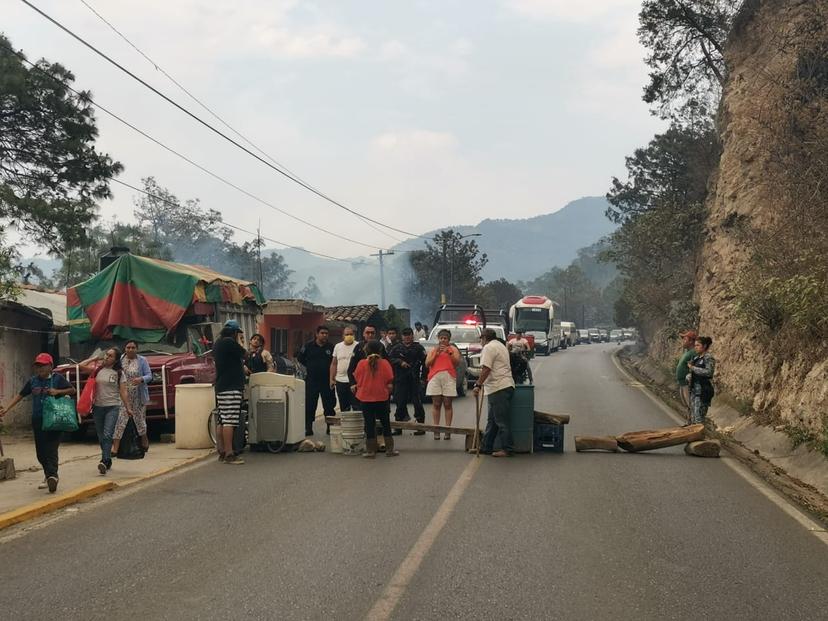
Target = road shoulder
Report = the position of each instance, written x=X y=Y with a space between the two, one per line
x=800 y=475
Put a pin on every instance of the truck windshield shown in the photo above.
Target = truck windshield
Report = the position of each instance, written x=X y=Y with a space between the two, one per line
x=532 y=319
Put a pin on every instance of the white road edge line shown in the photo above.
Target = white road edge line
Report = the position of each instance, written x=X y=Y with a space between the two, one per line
x=804 y=520
x=384 y=607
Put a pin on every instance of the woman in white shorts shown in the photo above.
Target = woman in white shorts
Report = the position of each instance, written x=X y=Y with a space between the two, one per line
x=442 y=364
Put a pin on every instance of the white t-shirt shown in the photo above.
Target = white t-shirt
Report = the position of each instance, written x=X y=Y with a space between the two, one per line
x=495 y=356
x=343 y=353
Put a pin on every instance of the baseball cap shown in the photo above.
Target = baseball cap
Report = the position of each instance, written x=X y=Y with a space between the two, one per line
x=44 y=359
x=691 y=334
x=232 y=324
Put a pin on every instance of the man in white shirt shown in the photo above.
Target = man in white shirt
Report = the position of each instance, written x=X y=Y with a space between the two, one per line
x=498 y=385
x=419 y=332
x=342 y=353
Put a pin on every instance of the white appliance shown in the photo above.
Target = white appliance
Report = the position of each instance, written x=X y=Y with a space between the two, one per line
x=276 y=409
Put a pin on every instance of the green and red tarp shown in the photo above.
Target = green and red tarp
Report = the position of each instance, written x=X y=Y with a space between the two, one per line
x=144 y=299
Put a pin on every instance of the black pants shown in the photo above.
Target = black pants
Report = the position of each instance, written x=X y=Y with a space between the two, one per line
x=345 y=396
x=407 y=390
x=46 y=447
x=373 y=410
x=313 y=391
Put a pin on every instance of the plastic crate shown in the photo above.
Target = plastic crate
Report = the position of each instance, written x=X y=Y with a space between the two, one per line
x=549 y=438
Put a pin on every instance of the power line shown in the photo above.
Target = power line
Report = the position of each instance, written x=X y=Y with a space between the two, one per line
x=218 y=132
x=216 y=176
x=232 y=226
x=206 y=107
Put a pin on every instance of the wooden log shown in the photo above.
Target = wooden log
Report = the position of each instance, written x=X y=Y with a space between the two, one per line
x=650 y=439
x=703 y=448
x=596 y=443
x=414 y=426
x=551 y=419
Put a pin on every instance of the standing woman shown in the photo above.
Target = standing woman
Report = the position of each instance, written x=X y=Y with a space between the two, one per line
x=258 y=360
x=442 y=364
x=374 y=379
x=137 y=375
x=110 y=394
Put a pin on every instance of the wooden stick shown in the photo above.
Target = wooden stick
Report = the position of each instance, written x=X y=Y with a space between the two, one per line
x=478 y=402
x=596 y=443
x=650 y=439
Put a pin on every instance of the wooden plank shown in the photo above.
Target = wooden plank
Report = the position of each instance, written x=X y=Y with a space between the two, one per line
x=650 y=439
x=596 y=443
x=413 y=426
x=551 y=419
x=703 y=448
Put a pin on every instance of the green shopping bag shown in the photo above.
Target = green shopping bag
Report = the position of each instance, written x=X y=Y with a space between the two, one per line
x=59 y=414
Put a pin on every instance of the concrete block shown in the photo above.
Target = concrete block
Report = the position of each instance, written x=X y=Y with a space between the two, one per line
x=7 y=471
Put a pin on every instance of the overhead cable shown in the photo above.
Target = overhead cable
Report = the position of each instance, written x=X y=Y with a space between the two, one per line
x=87 y=97
x=213 y=129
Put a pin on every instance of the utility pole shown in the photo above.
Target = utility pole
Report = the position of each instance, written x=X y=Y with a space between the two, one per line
x=382 y=254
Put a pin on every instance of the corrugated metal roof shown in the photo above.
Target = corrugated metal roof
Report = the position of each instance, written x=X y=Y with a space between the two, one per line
x=360 y=312
x=54 y=303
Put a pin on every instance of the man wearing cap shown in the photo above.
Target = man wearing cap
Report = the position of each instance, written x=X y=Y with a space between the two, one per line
x=44 y=383
x=229 y=354
x=688 y=341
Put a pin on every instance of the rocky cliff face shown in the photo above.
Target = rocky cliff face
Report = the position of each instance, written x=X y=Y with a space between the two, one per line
x=754 y=189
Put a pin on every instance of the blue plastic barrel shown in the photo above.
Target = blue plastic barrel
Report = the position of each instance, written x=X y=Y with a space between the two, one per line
x=522 y=418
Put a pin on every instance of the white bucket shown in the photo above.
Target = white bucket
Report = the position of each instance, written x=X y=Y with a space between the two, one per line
x=353 y=433
x=336 y=439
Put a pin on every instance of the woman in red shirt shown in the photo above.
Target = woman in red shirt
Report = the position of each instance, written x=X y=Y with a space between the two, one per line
x=374 y=379
x=442 y=364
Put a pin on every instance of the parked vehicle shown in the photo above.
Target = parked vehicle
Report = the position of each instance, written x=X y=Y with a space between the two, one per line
x=594 y=335
x=583 y=337
x=176 y=335
x=537 y=316
x=616 y=336
x=604 y=335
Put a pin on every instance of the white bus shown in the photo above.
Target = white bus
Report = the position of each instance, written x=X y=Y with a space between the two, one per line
x=537 y=316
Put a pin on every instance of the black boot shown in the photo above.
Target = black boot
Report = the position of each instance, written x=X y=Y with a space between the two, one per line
x=389 y=447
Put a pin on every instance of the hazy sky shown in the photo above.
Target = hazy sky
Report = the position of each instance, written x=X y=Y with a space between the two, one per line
x=421 y=113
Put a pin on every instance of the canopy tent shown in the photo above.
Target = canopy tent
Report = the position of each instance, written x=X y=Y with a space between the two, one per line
x=142 y=298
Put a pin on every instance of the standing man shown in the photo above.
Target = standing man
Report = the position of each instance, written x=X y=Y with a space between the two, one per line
x=316 y=357
x=390 y=338
x=498 y=385
x=342 y=354
x=229 y=354
x=419 y=332
x=688 y=341
x=519 y=343
x=407 y=358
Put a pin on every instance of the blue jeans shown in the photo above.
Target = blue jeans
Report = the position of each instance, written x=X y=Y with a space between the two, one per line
x=497 y=427
x=105 y=418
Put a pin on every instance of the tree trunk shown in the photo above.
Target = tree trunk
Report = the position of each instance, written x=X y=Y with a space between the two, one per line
x=703 y=448
x=660 y=438
x=596 y=443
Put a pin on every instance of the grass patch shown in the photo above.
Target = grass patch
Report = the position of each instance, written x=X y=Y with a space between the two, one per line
x=798 y=436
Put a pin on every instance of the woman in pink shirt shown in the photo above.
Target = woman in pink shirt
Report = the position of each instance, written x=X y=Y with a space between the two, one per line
x=374 y=379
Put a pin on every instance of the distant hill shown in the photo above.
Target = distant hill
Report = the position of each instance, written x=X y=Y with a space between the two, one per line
x=524 y=249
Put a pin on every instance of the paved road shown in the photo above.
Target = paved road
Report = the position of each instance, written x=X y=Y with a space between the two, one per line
x=429 y=536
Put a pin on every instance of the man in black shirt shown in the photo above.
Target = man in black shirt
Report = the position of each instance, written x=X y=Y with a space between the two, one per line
x=316 y=357
x=407 y=358
x=229 y=355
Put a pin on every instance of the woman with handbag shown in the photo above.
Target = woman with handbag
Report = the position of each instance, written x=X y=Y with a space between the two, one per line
x=110 y=393
x=42 y=385
x=137 y=375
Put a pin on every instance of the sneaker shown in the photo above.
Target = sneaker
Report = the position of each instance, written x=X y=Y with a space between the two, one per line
x=233 y=460
x=446 y=436
x=52 y=482
x=43 y=484
x=221 y=456
x=500 y=454
x=102 y=467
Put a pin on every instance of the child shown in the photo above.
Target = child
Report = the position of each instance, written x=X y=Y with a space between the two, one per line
x=44 y=383
x=700 y=379
x=374 y=379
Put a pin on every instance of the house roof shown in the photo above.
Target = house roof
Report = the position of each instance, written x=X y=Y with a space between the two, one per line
x=358 y=313
x=52 y=303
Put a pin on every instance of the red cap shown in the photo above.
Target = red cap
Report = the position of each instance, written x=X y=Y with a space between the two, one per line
x=45 y=359
x=690 y=334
